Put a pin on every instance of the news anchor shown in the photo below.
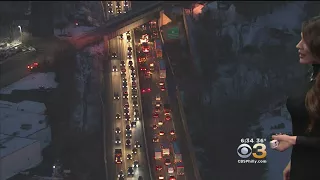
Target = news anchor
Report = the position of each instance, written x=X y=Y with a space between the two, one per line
x=304 y=109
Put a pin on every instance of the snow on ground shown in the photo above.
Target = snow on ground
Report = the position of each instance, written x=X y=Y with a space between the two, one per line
x=73 y=30
x=269 y=120
x=86 y=116
x=33 y=81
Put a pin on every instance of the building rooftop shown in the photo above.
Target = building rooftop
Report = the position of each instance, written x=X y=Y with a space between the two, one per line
x=10 y=144
x=21 y=119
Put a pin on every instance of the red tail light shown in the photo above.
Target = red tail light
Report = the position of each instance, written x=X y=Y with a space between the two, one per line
x=36 y=64
x=143 y=90
x=149 y=89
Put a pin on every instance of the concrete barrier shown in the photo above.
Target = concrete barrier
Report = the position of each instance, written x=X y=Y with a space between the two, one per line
x=184 y=122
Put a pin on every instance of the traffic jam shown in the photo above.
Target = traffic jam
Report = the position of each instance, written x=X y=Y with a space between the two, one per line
x=126 y=141
x=167 y=158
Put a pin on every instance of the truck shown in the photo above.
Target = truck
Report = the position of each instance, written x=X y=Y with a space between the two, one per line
x=176 y=152
x=157 y=153
x=180 y=169
x=165 y=149
x=158 y=48
x=162 y=69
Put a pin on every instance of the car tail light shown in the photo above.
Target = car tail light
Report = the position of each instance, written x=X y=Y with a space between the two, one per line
x=143 y=90
x=36 y=64
x=149 y=90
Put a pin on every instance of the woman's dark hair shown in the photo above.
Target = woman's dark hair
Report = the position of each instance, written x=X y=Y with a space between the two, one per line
x=311 y=35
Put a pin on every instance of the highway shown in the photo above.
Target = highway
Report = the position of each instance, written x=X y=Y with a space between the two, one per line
x=120 y=47
x=156 y=125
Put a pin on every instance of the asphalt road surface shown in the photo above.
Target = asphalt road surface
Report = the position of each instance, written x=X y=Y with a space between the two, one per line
x=120 y=47
x=165 y=126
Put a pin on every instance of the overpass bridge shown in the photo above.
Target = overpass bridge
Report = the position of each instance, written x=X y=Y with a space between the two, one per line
x=120 y=25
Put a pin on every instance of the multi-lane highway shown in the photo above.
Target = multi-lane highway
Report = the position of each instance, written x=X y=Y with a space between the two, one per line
x=160 y=128
x=127 y=128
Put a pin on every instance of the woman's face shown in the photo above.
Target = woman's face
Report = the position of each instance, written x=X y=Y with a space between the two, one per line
x=305 y=55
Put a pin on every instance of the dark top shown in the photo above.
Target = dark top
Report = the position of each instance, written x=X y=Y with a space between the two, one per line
x=305 y=157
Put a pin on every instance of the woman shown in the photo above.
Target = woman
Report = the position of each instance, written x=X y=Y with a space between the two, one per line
x=305 y=112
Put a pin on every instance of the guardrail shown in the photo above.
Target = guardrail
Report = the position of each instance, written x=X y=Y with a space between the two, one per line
x=183 y=119
x=141 y=112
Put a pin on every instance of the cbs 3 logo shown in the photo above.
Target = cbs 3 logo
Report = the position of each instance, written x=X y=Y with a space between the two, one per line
x=245 y=151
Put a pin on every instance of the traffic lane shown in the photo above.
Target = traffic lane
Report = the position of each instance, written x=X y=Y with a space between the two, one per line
x=148 y=120
x=143 y=151
x=180 y=133
x=109 y=120
x=167 y=125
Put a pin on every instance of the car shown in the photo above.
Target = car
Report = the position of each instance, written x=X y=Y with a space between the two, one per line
x=126 y=4
x=158 y=104
x=132 y=69
x=157 y=109
x=126 y=105
x=158 y=98
x=133 y=74
x=143 y=69
x=172 y=178
x=121 y=174
x=162 y=88
x=134 y=151
x=122 y=63
x=161 y=133
x=134 y=85
x=121 y=178
x=128 y=33
x=160 y=122
x=160 y=177
x=124 y=85
x=167 y=162
x=135 y=103
x=173 y=138
x=129 y=156
x=130 y=63
x=155 y=139
x=32 y=66
x=125 y=95
x=137 y=144
x=154 y=126
x=124 y=79
x=146 y=90
x=133 y=124
x=129 y=55
x=134 y=94
x=128 y=142
x=168 y=117
x=129 y=49
x=118 y=141
x=136 y=111
x=128 y=128
x=123 y=71
x=118 y=160
x=129 y=134
x=158 y=168
x=155 y=115
x=118 y=11
x=136 y=117
x=126 y=112
x=161 y=83
x=135 y=164
x=121 y=36
x=127 y=117
x=118 y=4
x=117 y=131
x=130 y=171
x=110 y=10
x=114 y=68
x=128 y=38
x=172 y=132
x=170 y=170
x=114 y=55
x=116 y=96
x=118 y=116
x=133 y=79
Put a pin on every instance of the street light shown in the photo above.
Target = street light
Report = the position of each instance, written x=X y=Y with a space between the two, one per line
x=20 y=30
